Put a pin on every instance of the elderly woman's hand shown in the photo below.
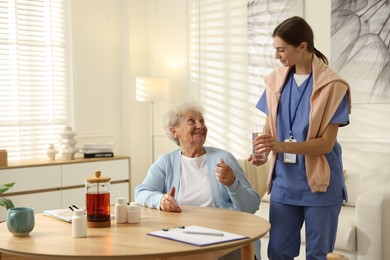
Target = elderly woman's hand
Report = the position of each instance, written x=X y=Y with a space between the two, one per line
x=168 y=202
x=225 y=174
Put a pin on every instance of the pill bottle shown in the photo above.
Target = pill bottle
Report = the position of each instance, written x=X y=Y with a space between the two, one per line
x=121 y=210
x=133 y=213
x=79 y=224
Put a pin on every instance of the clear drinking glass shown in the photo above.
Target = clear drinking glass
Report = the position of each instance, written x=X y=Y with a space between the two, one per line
x=257 y=130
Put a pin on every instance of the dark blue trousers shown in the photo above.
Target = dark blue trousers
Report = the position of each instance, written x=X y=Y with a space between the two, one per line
x=285 y=233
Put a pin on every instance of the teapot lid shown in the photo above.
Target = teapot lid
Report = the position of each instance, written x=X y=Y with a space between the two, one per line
x=98 y=178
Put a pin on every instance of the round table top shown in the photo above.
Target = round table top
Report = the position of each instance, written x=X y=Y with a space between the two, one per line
x=52 y=238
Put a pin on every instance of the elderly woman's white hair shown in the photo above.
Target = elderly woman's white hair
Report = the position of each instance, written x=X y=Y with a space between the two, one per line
x=175 y=114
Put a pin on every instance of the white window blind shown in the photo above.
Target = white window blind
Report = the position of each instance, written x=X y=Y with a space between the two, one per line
x=32 y=76
x=230 y=50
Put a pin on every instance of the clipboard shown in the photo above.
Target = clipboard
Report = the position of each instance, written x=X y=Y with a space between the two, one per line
x=62 y=214
x=197 y=235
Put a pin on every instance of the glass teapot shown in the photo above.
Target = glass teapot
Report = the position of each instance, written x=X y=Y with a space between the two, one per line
x=97 y=190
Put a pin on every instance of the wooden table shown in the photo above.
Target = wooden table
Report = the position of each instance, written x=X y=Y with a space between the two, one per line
x=52 y=238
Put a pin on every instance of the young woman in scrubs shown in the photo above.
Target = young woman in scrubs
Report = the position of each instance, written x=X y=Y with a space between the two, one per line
x=305 y=102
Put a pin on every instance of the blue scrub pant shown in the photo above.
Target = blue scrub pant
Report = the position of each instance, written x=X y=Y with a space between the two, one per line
x=286 y=223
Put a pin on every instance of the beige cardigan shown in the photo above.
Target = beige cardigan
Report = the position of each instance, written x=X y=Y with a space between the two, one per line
x=328 y=91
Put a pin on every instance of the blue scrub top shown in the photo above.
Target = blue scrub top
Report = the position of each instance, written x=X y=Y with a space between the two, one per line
x=290 y=185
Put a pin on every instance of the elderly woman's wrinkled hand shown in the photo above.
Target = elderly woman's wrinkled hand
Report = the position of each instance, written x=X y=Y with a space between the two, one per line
x=168 y=202
x=225 y=174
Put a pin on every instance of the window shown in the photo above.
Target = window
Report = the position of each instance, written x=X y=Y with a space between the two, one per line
x=230 y=50
x=32 y=76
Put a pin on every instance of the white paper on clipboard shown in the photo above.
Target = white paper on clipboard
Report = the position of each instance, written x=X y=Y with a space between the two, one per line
x=178 y=234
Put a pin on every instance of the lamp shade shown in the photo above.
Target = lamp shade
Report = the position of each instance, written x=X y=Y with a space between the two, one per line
x=150 y=89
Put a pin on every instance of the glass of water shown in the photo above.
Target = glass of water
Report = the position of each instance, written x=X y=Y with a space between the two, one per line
x=257 y=130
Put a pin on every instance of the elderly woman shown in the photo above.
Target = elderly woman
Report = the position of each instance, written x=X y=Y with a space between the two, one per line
x=195 y=174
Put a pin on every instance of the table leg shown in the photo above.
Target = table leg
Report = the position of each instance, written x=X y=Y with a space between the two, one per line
x=248 y=251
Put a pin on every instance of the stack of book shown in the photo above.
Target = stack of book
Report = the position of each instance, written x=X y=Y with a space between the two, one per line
x=98 y=150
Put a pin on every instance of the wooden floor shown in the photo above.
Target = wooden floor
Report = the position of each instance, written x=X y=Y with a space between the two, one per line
x=335 y=256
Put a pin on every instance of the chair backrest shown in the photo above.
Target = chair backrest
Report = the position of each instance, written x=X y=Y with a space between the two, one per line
x=256 y=175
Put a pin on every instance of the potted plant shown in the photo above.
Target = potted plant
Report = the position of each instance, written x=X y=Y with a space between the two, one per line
x=4 y=202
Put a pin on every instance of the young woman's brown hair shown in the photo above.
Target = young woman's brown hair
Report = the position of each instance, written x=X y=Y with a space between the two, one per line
x=296 y=30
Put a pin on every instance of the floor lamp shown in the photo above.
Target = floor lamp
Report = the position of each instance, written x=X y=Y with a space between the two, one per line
x=151 y=89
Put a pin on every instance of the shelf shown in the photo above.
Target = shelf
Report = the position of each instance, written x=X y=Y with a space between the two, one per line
x=25 y=164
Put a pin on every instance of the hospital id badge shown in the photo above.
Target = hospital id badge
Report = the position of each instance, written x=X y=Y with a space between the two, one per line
x=290 y=157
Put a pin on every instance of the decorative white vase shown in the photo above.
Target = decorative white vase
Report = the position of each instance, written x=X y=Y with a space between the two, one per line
x=68 y=143
x=51 y=152
x=67 y=153
x=67 y=133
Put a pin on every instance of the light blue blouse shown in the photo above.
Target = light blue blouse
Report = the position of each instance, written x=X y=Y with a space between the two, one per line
x=166 y=171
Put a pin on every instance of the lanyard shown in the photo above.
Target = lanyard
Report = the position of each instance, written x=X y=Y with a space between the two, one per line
x=291 y=120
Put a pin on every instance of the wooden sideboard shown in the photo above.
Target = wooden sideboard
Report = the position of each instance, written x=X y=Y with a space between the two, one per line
x=59 y=184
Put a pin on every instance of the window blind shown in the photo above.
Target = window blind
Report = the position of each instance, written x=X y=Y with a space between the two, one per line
x=230 y=51
x=32 y=76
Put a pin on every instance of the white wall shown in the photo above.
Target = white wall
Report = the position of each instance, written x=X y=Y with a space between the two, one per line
x=96 y=70
x=104 y=107
x=168 y=58
x=156 y=47
x=317 y=14
x=365 y=141
x=115 y=41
